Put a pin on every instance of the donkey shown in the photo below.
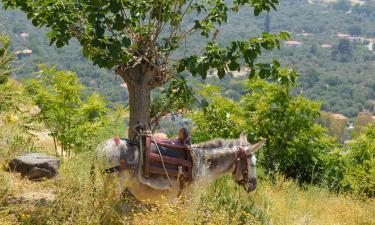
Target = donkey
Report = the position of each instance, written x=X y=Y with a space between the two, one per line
x=212 y=160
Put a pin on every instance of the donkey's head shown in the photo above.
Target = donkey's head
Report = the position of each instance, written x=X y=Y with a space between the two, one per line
x=244 y=171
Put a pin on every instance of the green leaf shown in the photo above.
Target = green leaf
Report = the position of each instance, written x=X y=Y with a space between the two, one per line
x=126 y=41
x=119 y=23
x=221 y=73
x=284 y=35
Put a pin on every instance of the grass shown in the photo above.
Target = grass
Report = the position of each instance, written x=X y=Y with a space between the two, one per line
x=71 y=198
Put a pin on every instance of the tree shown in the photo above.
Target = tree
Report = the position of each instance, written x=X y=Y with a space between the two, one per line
x=360 y=174
x=343 y=51
x=343 y=5
x=296 y=146
x=138 y=39
x=355 y=30
x=72 y=122
x=362 y=120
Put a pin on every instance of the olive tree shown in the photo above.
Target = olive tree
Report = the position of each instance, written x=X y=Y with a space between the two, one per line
x=138 y=39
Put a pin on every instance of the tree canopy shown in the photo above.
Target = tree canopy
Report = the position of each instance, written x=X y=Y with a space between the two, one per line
x=122 y=33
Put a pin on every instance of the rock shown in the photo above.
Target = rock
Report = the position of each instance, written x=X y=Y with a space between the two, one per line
x=35 y=165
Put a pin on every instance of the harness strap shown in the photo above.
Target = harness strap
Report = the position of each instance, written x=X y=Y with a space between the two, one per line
x=240 y=158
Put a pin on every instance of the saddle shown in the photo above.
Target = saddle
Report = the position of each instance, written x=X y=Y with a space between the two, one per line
x=175 y=155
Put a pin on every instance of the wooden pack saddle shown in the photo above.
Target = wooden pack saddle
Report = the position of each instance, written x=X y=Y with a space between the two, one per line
x=176 y=157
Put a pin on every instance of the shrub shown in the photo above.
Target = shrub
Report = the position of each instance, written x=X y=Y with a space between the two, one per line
x=221 y=117
x=360 y=174
x=296 y=146
x=73 y=123
x=6 y=59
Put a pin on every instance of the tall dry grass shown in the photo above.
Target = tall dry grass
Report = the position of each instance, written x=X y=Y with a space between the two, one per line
x=75 y=199
x=279 y=201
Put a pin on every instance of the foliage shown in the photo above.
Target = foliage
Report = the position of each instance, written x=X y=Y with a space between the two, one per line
x=5 y=59
x=343 y=5
x=293 y=16
x=343 y=51
x=360 y=173
x=362 y=120
x=121 y=33
x=296 y=146
x=336 y=126
x=177 y=96
x=15 y=121
x=220 y=117
x=73 y=123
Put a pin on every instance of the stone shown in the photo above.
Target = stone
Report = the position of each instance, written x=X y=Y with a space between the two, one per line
x=35 y=166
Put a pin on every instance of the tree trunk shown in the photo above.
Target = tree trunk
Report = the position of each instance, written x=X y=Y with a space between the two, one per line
x=139 y=106
x=140 y=79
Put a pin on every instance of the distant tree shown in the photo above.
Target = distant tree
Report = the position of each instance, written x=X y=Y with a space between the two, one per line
x=355 y=30
x=314 y=49
x=267 y=23
x=343 y=5
x=343 y=51
x=362 y=120
x=138 y=38
x=310 y=78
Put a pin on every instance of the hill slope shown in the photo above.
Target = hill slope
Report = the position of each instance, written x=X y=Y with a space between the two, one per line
x=346 y=82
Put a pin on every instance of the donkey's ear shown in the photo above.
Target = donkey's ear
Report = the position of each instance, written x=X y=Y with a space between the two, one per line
x=243 y=138
x=255 y=147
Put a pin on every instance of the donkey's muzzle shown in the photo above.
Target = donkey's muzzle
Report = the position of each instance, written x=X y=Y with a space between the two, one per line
x=251 y=185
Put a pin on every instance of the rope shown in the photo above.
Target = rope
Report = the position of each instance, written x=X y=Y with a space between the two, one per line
x=161 y=156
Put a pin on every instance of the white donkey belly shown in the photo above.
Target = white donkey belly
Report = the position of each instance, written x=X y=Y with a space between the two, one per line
x=143 y=192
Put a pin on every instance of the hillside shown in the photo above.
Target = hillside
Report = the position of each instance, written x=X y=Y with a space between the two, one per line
x=330 y=46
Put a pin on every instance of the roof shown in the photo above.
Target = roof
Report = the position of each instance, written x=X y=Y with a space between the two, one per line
x=293 y=43
x=27 y=51
x=24 y=35
x=326 y=46
x=305 y=34
x=339 y=116
x=341 y=35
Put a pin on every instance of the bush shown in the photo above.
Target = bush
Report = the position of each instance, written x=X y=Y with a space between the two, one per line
x=6 y=59
x=72 y=122
x=296 y=146
x=360 y=174
x=221 y=117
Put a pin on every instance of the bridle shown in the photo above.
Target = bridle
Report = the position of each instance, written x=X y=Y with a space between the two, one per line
x=241 y=161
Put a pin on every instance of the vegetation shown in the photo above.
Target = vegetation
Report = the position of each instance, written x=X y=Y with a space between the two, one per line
x=296 y=146
x=306 y=174
x=360 y=174
x=321 y=77
x=5 y=58
x=138 y=40
x=72 y=122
